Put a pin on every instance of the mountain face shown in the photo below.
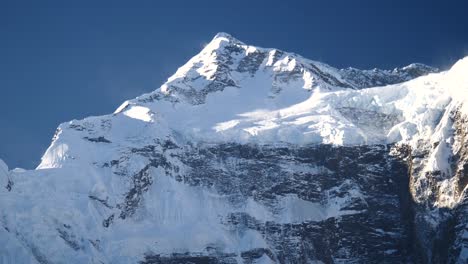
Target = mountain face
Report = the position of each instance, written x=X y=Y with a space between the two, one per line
x=254 y=155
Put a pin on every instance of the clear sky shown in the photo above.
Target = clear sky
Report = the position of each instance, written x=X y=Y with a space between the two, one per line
x=64 y=60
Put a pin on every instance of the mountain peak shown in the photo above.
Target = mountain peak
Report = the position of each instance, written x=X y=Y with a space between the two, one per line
x=223 y=35
x=242 y=142
x=220 y=41
x=228 y=62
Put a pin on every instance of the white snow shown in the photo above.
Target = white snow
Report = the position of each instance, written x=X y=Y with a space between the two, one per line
x=303 y=110
x=266 y=107
x=123 y=106
x=12 y=251
x=457 y=82
x=248 y=114
x=140 y=113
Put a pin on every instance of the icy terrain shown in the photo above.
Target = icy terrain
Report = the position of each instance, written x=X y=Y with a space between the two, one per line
x=254 y=155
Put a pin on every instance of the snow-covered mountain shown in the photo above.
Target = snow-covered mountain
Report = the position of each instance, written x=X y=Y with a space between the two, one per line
x=254 y=155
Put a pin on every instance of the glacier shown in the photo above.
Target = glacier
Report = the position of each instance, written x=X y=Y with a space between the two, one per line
x=254 y=155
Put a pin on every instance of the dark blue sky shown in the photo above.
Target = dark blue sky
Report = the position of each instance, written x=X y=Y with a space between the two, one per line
x=61 y=61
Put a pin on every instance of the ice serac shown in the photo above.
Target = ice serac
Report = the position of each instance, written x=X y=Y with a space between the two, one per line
x=255 y=155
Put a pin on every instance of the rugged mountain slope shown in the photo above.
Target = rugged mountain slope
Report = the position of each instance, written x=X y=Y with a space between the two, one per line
x=253 y=155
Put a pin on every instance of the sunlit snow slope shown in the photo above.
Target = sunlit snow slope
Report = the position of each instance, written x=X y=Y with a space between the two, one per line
x=254 y=155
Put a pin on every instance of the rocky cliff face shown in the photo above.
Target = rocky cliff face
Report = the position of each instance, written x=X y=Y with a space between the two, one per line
x=440 y=192
x=304 y=215
x=253 y=155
